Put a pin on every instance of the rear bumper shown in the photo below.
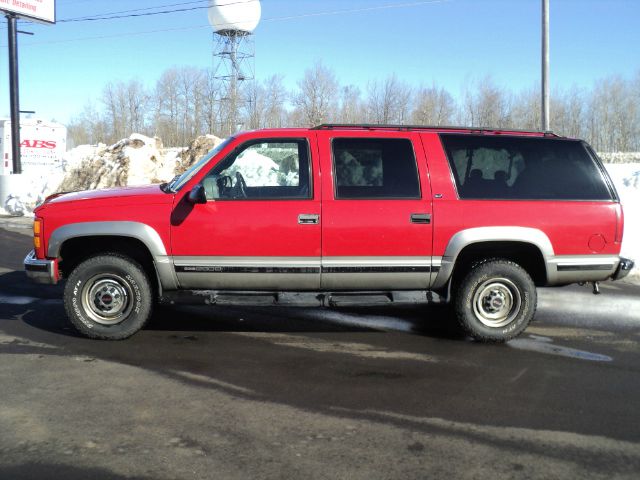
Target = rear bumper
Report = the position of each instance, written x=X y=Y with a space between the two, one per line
x=623 y=269
x=41 y=271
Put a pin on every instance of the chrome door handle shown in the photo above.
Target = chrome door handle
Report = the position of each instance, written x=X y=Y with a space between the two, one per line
x=421 y=218
x=308 y=219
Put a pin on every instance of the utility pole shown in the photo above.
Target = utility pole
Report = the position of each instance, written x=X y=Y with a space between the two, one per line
x=545 y=66
x=14 y=93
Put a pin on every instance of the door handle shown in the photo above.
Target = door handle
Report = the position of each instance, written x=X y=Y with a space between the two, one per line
x=424 y=218
x=308 y=219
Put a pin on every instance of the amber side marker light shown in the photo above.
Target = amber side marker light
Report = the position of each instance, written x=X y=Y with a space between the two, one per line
x=37 y=231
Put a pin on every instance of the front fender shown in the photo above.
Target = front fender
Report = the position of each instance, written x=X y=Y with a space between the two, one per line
x=140 y=231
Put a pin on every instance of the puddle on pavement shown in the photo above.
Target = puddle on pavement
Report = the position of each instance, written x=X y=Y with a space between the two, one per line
x=17 y=300
x=539 y=344
x=329 y=346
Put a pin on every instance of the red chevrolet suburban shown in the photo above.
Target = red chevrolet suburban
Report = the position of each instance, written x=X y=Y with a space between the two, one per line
x=341 y=215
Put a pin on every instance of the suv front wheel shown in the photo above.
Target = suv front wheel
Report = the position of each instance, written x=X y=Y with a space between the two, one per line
x=495 y=301
x=108 y=297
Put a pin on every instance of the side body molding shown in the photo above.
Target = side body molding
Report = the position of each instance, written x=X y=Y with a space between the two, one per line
x=470 y=236
x=140 y=231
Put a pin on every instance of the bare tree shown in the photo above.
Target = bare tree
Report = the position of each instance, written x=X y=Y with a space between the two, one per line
x=316 y=98
x=115 y=115
x=389 y=101
x=89 y=127
x=275 y=102
x=167 y=107
x=525 y=110
x=486 y=104
x=434 y=106
x=568 y=110
x=612 y=115
x=209 y=90
x=126 y=107
x=351 y=110
x=255 y=97
x=185 y=103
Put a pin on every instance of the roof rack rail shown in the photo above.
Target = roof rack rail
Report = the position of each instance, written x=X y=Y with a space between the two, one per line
x=371 y=126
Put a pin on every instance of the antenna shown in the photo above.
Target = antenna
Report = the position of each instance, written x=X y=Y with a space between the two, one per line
x=233 y=23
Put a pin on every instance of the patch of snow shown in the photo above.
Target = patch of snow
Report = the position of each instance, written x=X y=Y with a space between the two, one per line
x=257 y=170
x=620 y=157
x=626 y=178
x=14 y=206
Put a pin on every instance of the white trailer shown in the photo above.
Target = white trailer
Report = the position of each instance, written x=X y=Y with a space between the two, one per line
x=42 y=145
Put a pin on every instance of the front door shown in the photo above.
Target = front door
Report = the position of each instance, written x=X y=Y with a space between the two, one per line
x=260 y=227
x=376 y=230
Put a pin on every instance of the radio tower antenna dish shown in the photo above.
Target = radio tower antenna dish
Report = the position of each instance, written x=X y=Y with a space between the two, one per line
x=233 y=23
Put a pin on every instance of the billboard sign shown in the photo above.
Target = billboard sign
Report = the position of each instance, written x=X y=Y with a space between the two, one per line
x=37 y=10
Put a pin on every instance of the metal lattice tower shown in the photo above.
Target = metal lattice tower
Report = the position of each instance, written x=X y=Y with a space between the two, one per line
x=234 y=68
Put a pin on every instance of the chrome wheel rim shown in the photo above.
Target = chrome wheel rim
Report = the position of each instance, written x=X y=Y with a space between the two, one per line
x=107 y=299
x=497 y=302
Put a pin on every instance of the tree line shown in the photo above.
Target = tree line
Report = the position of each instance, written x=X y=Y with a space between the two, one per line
x=186 y=102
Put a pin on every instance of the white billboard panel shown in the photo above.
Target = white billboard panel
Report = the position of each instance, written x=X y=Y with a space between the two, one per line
x=38 y=10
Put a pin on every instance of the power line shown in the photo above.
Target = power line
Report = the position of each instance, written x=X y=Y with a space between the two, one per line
x=272 y=19
x=132 y=10
x=130 y=15
x=117 y=15
x=94 y=17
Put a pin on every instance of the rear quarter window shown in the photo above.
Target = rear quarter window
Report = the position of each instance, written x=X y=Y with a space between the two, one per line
x=523 y=168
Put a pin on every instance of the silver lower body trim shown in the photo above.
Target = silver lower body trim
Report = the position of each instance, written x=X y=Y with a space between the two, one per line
x=561 y=269
x=362 y=273
x=248 y=273
x=166 y=272
x=565 y=269
x=305 y=273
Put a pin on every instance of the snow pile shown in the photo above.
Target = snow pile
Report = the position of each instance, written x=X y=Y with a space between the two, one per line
x=194 y=152
x=257 y=170
x=136 y=160
x=133 y=161
x=626 y=178
x=14 y=206
x=21 y=193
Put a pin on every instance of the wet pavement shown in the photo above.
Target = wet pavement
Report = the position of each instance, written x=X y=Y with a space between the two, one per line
x=308 y=393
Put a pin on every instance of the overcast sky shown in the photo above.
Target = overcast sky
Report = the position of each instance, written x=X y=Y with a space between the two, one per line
x=64 y=66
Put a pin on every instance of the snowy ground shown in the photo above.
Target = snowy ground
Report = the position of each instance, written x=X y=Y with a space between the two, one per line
x=626 y=177
x=140 y=160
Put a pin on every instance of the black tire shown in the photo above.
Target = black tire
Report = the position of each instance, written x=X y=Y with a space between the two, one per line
x=495 y=301
x=108 y=297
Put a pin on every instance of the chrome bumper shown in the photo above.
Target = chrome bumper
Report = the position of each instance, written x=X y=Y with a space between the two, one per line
x=623 y=269
x=41 y=271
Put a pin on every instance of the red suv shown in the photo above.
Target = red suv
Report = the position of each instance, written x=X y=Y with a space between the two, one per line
x=341 y=215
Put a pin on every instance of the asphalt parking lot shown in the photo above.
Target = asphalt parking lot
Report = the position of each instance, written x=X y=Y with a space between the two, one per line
x=228 y=393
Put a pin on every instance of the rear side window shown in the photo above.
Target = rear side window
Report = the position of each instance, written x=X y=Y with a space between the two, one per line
x=375 y=168
x=523 y=168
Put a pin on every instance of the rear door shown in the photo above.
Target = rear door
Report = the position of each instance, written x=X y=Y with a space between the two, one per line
x=377 y=225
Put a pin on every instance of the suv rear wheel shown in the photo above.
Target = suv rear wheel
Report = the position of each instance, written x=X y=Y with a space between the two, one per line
x=108 y=297
x=495 y=301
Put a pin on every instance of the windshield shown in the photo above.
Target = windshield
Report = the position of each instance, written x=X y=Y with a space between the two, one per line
x=178 y=182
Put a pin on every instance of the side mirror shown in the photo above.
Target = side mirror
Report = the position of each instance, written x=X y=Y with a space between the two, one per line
x=197 y=195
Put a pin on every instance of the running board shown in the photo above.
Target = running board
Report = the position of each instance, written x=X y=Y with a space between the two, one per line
x=358 y=299
x=299 y=299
